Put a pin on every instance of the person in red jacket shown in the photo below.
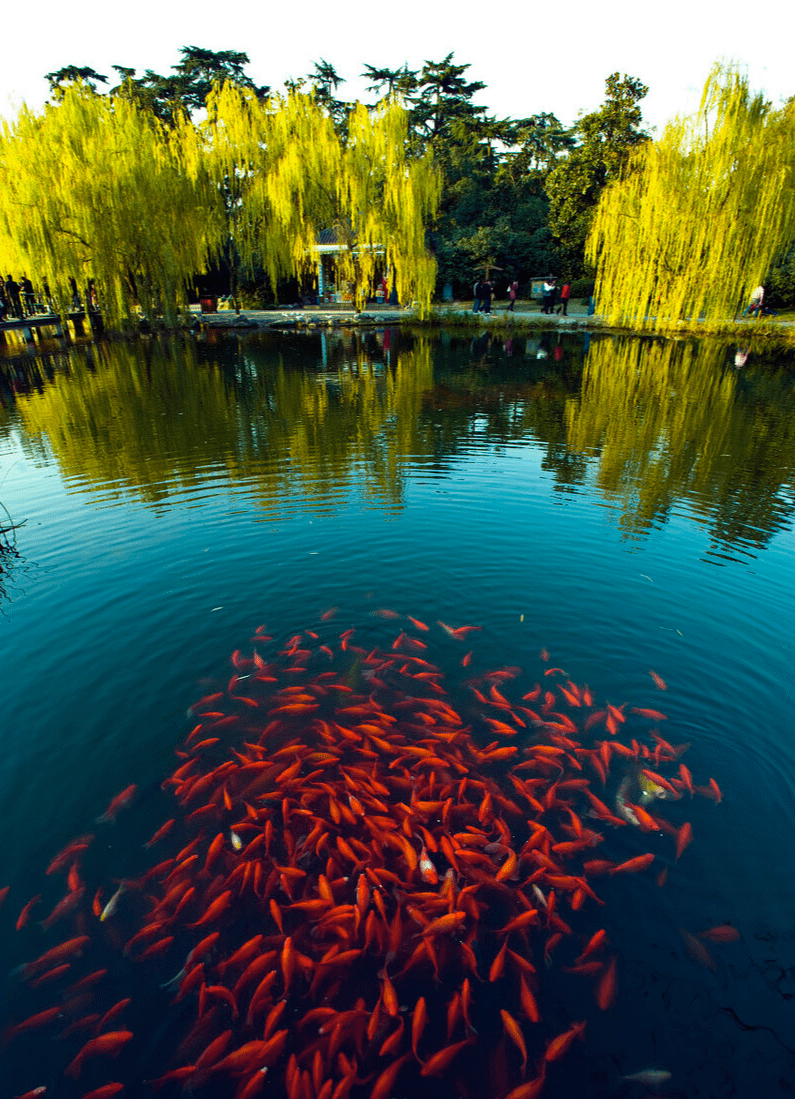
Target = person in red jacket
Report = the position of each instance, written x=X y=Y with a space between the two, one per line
x=565 y=294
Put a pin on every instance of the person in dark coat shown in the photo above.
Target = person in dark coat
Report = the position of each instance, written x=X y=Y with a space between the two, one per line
x=30 y=296
x=487 y=290
x=73 y=290
x=12 y=296
x=477 y=293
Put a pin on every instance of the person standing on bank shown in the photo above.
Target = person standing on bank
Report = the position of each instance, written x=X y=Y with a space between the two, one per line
x=548 y=295
x=477 y=292
x=513 y=290
x=487 y=289
x=12 y=297
x=565 y=294
x=30 y=297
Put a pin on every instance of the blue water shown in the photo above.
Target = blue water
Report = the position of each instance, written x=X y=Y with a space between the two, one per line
x=628 y=505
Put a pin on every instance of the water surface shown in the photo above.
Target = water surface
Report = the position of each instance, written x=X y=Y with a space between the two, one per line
x=625 y=504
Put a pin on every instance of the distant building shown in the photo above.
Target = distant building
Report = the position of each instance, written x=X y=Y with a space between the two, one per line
x=329 y=289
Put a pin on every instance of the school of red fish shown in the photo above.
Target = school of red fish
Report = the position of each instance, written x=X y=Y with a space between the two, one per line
x=362 y=888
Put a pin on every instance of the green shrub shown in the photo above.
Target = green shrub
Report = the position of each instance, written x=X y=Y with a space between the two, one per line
x=582 y=288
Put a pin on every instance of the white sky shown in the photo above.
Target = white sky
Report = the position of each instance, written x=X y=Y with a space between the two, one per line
x=533 y=57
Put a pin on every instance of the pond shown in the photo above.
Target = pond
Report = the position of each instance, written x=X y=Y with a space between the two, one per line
x=242 y=603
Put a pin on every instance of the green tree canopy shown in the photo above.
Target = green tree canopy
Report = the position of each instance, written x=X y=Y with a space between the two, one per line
x=605 y=139
x=73 y=74
x=185 y=88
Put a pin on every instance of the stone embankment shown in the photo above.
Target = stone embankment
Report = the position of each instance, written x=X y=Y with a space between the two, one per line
x=339 y=317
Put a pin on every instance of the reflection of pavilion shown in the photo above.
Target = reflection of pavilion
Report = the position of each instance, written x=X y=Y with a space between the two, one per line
x=330 y=288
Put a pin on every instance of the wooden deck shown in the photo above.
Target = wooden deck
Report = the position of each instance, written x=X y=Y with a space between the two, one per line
x=30 y=327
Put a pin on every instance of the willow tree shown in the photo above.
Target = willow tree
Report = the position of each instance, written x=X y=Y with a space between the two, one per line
x=385 y=200
x=286 y=174
x=95 y=188
x=698 y=216
x=228 y=150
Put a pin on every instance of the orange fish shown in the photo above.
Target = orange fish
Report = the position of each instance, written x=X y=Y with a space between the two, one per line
x=530 y=1090
x=160 y=947
x=458 y=633
x=219 y=905
x=418 y=1021
x=594 y=943
x=389 y=996
x=645 y=819
x=439 y=1062
x=66 y=856
x=121 y=801
x=109 y=1045
x=24 y=915
x=558 y=1046
x=606 y=989
x=451 y=922
x=723 y=934
x=652 y=715
x=697 y=951
x=181 y=1073
x=33 y=1022
x=498 y=965
x=518 y=922
x=214 y=850
x=105 y=1092
x=514 y=1032
x=529 y=1003
x=687 y=778
x=70 y=949
x=659 y=682
x=683 y=837
x=386 y=1081
x=660 y=781
x=713 y=791
x=632 y=866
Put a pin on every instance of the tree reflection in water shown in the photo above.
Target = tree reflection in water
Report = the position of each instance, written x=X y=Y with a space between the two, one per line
x=652 y=424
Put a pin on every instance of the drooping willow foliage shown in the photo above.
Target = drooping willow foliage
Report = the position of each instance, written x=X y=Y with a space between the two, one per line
x=693 y=224
x=97 y=188
x=287 y=174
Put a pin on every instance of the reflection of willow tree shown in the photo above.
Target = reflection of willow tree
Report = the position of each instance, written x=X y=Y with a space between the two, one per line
x=163 y=424
x=669 y=422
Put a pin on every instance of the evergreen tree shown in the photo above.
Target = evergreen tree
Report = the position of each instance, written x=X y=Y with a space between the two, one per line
x=605 y=140
x=73 y=74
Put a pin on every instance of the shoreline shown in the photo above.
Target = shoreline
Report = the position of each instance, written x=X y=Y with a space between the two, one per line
x=452 y=317
x=458 y=315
